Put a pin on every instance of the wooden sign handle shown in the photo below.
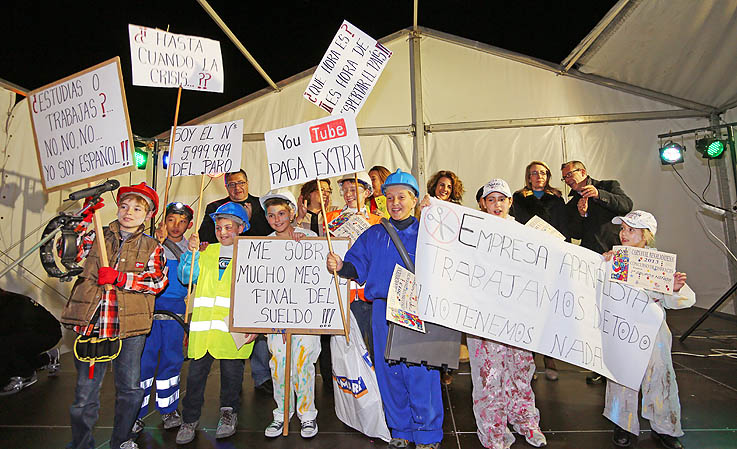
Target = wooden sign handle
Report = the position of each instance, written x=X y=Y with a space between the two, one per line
x=100 y=239
x=287 y=383
x=191 y=267
x=171 y=153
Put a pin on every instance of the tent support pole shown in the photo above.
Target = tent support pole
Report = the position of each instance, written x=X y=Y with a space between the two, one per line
x=726 y=201
x=418 y=118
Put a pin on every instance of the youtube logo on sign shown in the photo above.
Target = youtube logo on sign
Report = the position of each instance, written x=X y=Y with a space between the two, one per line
x=327 y=131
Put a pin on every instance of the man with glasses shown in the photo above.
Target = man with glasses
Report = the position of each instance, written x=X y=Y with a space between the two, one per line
x=590 y=210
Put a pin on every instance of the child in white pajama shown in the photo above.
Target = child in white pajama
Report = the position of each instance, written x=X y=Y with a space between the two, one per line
x=660 y=403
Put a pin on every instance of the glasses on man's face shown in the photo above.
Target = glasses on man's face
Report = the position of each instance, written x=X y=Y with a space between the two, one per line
x=569 y=174
x=539 y=173
x=233 y=185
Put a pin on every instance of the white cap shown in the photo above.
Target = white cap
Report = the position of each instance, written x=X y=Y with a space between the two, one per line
x=638 y=219
x=363 y=178
x=279 y=193
x=496 y=185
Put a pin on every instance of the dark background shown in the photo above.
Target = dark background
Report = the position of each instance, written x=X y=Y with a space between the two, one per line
x=46 y=41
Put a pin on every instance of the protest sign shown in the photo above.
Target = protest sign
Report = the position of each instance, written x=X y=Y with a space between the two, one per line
x=352 y=227
x=497 y=279
x=207 y=149
x=643 y=268
x=401 y=300
x=320 y=148
x=282 y=284
x=348 y=72
x=81 y=127
x=538 y=223
x=162 y=59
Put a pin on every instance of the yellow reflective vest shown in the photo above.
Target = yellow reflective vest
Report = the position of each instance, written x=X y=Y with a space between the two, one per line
x=208 y=330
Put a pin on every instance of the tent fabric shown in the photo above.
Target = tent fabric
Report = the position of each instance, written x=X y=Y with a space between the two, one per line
x=459 y=83
x=682 y=48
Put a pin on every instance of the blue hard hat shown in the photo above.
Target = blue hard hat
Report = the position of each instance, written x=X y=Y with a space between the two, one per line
x=234 y=211
x=401 y=178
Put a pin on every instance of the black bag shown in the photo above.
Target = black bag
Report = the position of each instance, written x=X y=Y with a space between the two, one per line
x=438 y=347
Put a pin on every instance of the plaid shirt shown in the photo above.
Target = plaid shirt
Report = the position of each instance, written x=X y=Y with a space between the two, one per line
x=152 y=280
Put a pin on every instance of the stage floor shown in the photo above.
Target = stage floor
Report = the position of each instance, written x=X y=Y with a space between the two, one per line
x=570 y=410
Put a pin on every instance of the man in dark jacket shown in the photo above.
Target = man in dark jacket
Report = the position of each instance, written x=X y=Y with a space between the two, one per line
x=592 y=206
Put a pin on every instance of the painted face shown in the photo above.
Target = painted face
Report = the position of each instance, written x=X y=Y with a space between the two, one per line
x=226 y=230
x=630 y=236
x=237 y=186
x=400 y=201
x=443 y=188
x=538 y=177
x=131 y=214
x=348 y=190
x=573 y=176
x=279 y=217
x=176 y=226
x=498 y=204
x=375 y=182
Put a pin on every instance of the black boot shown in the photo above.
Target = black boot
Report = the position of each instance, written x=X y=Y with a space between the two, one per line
x=622 y=438
x=666 y=441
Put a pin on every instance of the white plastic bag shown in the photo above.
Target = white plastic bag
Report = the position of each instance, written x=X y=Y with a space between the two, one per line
x=357 y=399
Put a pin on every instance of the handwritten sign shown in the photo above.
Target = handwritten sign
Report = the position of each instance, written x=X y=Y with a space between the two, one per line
x=494 y=278
x=401 y=300
x=538 y=223
x=81 y=127
x=207 y=149
x=321 y=148
x=162 y=59
x=348 y=72
x=282 y=284
x=643 y=268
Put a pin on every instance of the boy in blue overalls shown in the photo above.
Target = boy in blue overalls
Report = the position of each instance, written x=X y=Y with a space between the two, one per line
x=164 y=343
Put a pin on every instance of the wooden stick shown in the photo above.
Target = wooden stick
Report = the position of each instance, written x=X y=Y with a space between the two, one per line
x=171 y=153
x=100 y=238
x=335 y=273
x=287 y=383
x=191 y=268
x=358 y=203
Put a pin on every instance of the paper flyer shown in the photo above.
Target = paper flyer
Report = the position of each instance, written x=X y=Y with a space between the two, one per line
x=401 y=303
x=538 y=223
x=643 y=268
x=352 y=228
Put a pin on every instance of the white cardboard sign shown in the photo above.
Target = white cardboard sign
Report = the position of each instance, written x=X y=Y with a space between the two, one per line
x=538 y=223
x=81 y=127
x=282 y=284
x=347 y=72
x=207 y=149
x=162 y=59
x=401 y=300
x=506 y=282
x=321 y=148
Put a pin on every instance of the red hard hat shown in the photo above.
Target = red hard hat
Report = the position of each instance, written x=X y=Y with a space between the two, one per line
x=142 y=190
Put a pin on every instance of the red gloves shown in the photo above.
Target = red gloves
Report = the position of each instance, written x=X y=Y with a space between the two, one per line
x=107 y=275
x=89 y=213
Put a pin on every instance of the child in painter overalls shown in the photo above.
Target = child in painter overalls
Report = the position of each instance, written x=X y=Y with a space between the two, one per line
x=660 y=404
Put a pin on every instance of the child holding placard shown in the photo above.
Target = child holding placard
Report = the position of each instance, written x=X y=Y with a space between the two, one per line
x=280 y=208
x=501 y=374
x=660 y=404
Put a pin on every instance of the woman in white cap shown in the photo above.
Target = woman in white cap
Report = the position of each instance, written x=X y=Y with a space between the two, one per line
x=660 y=403
x=501 y=374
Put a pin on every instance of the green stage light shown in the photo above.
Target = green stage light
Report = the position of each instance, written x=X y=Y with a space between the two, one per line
x=141 y=158
x=710 y=148
x=671 y=153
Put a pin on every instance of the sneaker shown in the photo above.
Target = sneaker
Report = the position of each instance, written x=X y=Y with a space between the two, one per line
x=428 y=446
x=186 y=432
x=130 y=444
x=398 y=443
x=594 y=379
x=227 y=423
x=534 y=436
x=551 y=374
x=54 y=364
x=622 y=438
x=172 y=420
x=16 y=384
x=275 y=429
x=309 y=428
x=666 y=441
x=137 y=428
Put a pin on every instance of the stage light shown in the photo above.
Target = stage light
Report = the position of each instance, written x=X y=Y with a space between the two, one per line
x=710 y=148
x=165 y=160
x=671 y=153
x=141 y=158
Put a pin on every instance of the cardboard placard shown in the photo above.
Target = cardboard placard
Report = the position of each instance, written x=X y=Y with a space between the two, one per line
x=280 y=284
x=494 y=278
x=321 y=148
x=347 y=72
x=643 y=268
x=81 y=127
x=401 y=301
x=207 y=149
x=163 y=59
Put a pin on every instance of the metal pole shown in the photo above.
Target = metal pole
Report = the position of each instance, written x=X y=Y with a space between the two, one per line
x=30 y=251
x=418 y=119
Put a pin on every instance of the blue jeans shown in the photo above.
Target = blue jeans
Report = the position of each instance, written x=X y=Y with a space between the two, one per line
x=128 y=395
x=260 y=371
x=231 y=379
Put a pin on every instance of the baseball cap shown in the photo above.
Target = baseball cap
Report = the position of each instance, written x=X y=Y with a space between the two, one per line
x=497 y=185
x=638 y=219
